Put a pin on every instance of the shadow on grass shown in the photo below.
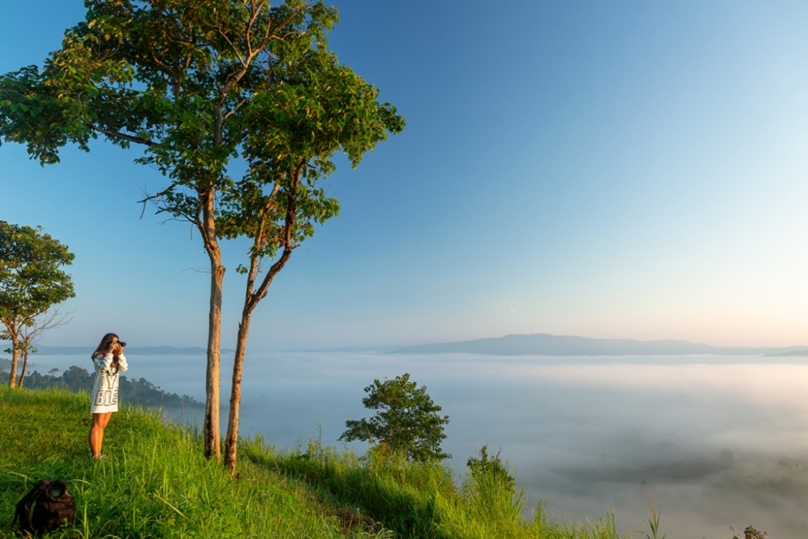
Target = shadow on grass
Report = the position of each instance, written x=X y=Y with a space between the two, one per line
x=375 y=494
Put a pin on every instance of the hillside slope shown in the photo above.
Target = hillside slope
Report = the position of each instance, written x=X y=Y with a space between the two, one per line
x=155 y=483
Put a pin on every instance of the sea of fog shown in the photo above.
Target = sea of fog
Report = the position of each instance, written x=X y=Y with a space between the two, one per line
x=717 y=441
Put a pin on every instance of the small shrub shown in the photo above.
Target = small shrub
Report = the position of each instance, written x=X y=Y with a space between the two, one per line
x=491 y=491
x=406 y=421
x=750 y=533
x=492 y=468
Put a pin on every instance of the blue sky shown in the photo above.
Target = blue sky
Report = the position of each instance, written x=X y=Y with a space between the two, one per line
x=607 y=169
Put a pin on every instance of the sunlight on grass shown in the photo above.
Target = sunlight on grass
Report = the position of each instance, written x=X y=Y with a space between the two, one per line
x=156 y=483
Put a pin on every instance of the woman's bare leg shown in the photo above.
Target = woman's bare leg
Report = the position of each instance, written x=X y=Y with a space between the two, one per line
x=97 y=432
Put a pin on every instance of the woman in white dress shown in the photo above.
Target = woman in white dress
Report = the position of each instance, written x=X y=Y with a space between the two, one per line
x=109 y=361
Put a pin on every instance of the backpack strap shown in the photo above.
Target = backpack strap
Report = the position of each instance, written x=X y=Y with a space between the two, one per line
x=22 y=512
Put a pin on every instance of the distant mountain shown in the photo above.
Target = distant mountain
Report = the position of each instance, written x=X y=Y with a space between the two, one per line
x=790 y=353
x=543 y=344
x=133 y=350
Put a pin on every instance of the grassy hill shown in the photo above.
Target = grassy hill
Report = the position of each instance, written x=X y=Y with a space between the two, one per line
x=155 y=483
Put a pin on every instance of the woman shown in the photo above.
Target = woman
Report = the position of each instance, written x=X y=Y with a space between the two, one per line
x=109 y=360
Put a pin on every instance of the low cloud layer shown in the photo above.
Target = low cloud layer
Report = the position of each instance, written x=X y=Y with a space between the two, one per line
x=717 y=442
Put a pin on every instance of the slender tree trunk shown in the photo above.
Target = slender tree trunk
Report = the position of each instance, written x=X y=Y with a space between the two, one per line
x=24 y=367
x=15 y=354
x=251 y=300
x=211 y=430
x=231 y=442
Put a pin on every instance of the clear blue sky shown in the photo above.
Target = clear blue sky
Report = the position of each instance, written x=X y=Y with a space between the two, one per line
x=621 y=169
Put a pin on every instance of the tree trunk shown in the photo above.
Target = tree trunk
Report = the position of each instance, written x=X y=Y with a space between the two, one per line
x=251 y=300
x=15 y=355
x=24 y=367
x=231 y=442
x=211 y=430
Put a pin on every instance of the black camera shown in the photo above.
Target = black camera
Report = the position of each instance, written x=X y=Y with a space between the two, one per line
x=123 y=344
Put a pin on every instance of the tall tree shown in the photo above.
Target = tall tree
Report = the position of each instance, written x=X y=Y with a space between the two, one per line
x=320 y=107
x=31 y=282
x=202 y=85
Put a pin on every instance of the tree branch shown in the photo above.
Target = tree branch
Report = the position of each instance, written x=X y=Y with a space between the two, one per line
x=288 y=247
x=118 y=134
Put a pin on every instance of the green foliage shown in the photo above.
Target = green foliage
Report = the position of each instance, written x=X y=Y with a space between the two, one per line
x=491 y=490
x=198 y=84
x=31 y=278
x=491 y=467
x=139 y=392
x=415 y=499
x=406 y=422
x=389 y=491
x=653 y=520
x=31 y=282
x=156 y=483
x=750 y=533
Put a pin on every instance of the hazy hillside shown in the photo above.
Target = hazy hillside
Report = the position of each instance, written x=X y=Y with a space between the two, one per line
x=555 y=345
x=138 y=392
x=134 y=350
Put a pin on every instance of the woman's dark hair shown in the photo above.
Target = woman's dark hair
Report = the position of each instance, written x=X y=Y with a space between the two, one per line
x=105 y=343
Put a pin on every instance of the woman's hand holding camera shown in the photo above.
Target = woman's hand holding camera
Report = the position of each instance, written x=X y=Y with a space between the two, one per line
x=116 y=349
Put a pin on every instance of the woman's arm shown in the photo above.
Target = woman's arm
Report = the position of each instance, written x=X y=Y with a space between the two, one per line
x=122 y=365
x=102 y=364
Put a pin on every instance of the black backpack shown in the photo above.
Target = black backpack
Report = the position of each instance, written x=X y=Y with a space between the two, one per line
x=46 y=507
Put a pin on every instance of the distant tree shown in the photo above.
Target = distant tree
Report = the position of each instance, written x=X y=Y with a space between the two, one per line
x=76 y=378
x=406 y=421
x=33 y=333
x=31 y=282
x=206 y=87
x=139 y=392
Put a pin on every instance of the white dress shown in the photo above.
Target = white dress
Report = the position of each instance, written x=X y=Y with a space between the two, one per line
x=105 y=388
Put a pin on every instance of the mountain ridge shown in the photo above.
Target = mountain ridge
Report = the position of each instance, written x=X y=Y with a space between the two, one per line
x=545 y=344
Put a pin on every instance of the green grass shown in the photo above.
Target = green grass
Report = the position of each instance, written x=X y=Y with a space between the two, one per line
x=155 y=483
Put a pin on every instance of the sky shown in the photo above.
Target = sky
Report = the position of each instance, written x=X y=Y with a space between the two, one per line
x=606 y=169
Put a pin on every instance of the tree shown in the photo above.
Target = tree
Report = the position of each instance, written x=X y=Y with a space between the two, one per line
x=206 y=87
x=33 y=333
x=31 y=282
x=406 y=421
x=321 y=108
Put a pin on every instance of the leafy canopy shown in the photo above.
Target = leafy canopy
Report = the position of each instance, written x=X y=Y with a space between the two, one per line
x=31 y=278
x=206 y=88
x=199 y=84
x=406 y=421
